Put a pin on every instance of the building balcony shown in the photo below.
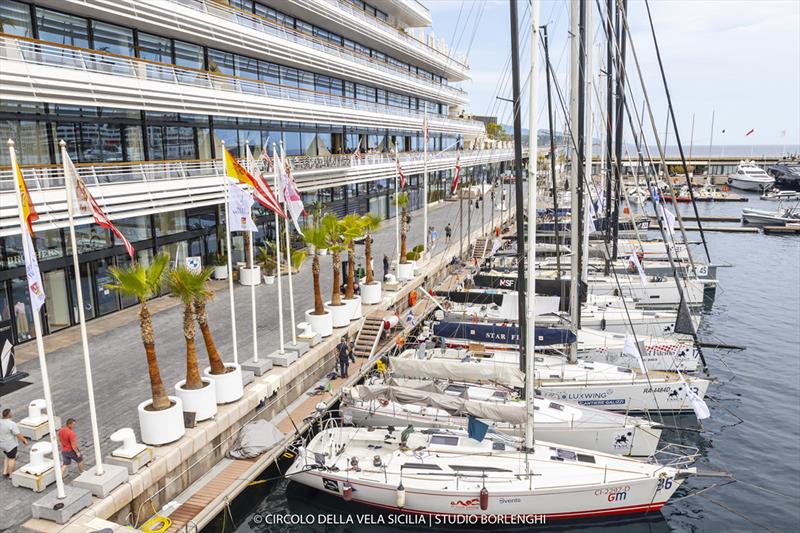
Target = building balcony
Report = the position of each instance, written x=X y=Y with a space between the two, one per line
x=405 y=13
x=42 y=72
x=134 y=189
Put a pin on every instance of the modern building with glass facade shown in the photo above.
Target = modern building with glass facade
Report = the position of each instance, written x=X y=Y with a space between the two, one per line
x=144 y=91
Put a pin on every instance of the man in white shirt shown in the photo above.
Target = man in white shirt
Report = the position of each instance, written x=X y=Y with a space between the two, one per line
x=9 y=435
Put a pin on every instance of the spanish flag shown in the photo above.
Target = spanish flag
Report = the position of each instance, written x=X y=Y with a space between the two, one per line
x=28 y=210
x=263 y=193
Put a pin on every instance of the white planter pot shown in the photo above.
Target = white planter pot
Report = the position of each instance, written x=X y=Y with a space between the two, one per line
x=405 y=271
x=161 y=427
x=250 y=276
x=323 y=251
x=321 y=324
x=229 y=386
x=371 y=294
x=269 y=280
x=339 y=313
x=354 y=307
x=201 y=402
x=221 y=272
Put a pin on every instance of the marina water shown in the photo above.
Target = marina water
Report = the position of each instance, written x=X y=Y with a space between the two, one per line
x=757 y=305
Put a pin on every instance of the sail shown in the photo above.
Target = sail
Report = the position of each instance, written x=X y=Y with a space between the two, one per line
x=508 y=375
x=499 y=412
x=499 y=334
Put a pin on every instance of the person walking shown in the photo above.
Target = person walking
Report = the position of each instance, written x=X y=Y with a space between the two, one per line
x=69 y=447
x=343 y=356
x=385 y=266
x=448 y=232
x=9 y=435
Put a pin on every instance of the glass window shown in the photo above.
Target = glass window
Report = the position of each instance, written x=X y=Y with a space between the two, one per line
x=134 y=145
x=134 y=229
x=377 y=206
x=247 y=67
x=90 y=237
x=62 y=28
x=203 y=143
x=292 y=143
x=204 y=218
x=231 y=138
x=188 y=55
x=179 y=143
x=56 y=303
x=365 y=93
x=101 y=142
x=31 y=141
x=107 y=300
x=86 y=291
x=269 y=72
x=289 y=77
x=21 y=305
x=170 y=223
x=221 y=62
x=112 y=38
x=306 y=80
x=154 y=48
x=304 y=27
x=16 y=18
x=48 y=244
x=155 y=142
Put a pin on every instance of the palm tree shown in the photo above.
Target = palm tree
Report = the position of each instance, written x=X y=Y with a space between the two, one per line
x=201 y=298
x=402 y=201
x=334 y=241
x=185 y=284
x=266 y=259
x=315 y=237
x=351 y=229
x=370 y=223
x=143 y=282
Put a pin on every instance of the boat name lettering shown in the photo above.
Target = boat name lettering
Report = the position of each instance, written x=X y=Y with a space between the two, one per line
x=510 y=500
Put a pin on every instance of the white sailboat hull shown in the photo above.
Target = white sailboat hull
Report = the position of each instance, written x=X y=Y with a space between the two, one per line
x=750 y=183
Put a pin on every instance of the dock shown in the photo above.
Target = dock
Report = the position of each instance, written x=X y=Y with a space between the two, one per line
x=782 y=230
x=707 y=219
x=724 y=229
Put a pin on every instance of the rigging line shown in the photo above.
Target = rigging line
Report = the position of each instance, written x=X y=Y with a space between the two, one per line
x=464 y=26
x=671 y=113
x=737 y=513
x=458 y=19
x=478 y=19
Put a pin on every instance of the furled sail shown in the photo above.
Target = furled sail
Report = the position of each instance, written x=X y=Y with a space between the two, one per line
x=508 y=375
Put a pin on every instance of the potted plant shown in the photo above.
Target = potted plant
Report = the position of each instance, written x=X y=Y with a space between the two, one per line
x=405 y=269
x=370 y=288
x=160 y=417
x=197 y=394
x=250 y=273
x=267 y=261
x=298 y=258
x=319 y=318
x=419 y=250
x=333 y=233
x=227 y=377
x=352 y=228
x=220 y=263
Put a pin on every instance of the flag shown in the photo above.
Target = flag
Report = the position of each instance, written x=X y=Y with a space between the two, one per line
x=35 y=286
x=357 y=153
x=263 y=193
x=667 y=218
x=265 y=154
x=458 y=171
x=289 y=193
x=425 y=128
x=252 y=166
x=239 y=204
x=400 y=172
x=476 y=429
x=701 y=410
x=28 y=210
x=749 y=133
x=633 y=260
x=654 y=194
x=86 y=204
x=634 y=350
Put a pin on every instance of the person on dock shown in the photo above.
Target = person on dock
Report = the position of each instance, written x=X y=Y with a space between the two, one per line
x=69 y=447
x=343 y=356
x=385 y=266
x=9 y=435
x=448 y=232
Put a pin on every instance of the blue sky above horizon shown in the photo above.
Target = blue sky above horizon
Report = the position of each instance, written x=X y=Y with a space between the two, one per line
x=739 y=58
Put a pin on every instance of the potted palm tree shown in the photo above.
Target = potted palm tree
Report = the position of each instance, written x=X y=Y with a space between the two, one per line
x=267 y=261
x=351 y=228
x=319 y=318
x=220 y=263
x=405 y=269
x=197 y=394
x=160 y=417
x=227 y=377
x=250 y=274
x=334 y=242
x=370 y=287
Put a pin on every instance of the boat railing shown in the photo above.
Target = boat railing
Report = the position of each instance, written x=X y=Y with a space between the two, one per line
x=676 y=455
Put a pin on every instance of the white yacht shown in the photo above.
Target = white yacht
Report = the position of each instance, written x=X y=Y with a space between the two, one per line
x=750 y=177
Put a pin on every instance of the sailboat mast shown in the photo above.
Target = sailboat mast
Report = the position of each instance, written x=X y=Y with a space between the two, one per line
x=533 y=160
x=609 y=155
x=620 y=71
x=518 y=190
x=550 y=126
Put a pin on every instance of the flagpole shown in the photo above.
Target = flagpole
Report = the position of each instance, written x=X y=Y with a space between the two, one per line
x=425 y=174
x=87 y=364
x=251 y=266
x=288 y=253
x=397 y=209
x=278 y=255
x=230 y=256
x=37 y=326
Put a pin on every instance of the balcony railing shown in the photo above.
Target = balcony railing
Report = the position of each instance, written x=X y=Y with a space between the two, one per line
x=52 y=176
x=460 y=64
x=265 y=25
x=63 y=56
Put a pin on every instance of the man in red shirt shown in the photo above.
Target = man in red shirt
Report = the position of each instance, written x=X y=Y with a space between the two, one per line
x=69 y=447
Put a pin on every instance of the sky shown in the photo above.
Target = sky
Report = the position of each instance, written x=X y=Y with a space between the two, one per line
x=737 y=59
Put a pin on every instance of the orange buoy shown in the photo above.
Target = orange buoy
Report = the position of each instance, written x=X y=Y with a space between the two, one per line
x=626 y=211
x=484 y=499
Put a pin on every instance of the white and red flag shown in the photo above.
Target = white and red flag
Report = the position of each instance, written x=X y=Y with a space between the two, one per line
x=458 y=173
x=400 y=172
x=290 y=196
x=86 y=203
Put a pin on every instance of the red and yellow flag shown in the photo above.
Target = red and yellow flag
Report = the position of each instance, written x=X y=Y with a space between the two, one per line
x=263 y=192
x=28 y=210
